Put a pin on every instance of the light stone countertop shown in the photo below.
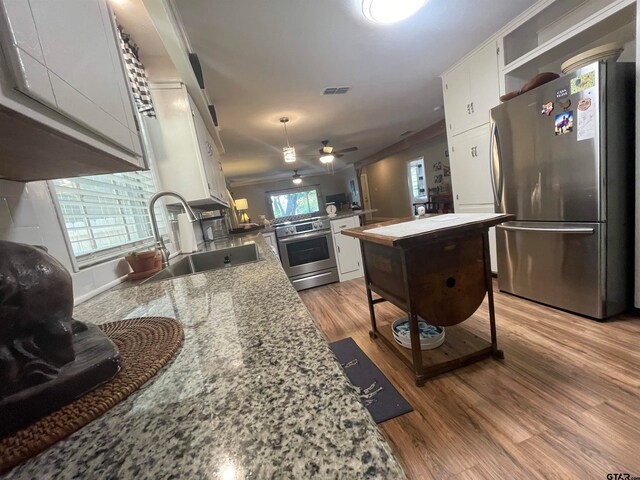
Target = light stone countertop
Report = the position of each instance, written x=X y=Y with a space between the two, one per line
x=254 y=392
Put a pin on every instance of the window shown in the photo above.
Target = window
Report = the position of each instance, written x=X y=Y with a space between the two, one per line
x=105 y=212
x=298 y=201
x=417 y=180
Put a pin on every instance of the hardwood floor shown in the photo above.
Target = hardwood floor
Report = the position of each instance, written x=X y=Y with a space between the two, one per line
x=564 y=403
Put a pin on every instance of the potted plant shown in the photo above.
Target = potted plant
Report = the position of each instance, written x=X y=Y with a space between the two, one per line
x=142 y=262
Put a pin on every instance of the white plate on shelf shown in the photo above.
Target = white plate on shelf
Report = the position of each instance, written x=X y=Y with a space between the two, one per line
x=430 y=335
x=603 y=52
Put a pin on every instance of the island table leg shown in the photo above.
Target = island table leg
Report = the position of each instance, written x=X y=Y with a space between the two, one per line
x=373 y=333
x=496 y=352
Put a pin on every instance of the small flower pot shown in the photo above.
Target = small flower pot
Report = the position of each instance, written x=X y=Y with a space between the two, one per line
x=142 y=261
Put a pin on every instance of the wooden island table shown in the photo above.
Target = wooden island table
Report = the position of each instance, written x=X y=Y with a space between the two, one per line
x=438 y=269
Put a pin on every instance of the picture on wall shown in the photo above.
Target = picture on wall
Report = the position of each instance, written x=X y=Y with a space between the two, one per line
x=446 y=170
x=437 y=166
x=437 y=179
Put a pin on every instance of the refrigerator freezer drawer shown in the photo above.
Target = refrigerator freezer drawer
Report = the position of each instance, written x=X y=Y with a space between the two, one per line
x=559 y=264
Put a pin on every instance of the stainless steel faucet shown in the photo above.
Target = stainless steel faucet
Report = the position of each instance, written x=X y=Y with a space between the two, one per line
x=154 y=224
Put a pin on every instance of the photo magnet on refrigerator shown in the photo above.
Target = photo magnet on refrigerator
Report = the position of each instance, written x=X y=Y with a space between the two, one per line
x=547 y=108
x=587 y=80
x=564 y=123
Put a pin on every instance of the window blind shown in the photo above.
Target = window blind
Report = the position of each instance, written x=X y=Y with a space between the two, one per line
x=106 y=212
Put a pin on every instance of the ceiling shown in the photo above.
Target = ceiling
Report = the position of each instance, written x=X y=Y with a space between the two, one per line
x=266 y=59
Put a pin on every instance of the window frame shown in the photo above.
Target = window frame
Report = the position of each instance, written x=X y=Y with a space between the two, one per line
x=103 y=256
x=284 y=191
x=420 y=199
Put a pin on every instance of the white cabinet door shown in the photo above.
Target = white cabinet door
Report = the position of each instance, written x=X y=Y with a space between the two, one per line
x=348 y=254
x=456 y=99
x=484 y=88
x=210 y=158
x=187 y=159
x=65 y=54
x=488 y=208
x=175 y=144
x=471 y=90
x=206 y=148
x=470 y=170
x=348 y=249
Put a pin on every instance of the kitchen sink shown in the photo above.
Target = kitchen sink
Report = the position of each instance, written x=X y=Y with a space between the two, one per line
x=202 y=262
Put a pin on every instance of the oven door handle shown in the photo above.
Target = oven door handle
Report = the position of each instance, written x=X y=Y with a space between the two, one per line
x=304 y=237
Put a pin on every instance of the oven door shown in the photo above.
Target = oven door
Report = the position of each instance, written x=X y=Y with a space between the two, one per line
x=307 y=253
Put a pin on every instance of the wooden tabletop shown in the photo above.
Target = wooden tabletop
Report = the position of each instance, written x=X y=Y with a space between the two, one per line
x=425 y=237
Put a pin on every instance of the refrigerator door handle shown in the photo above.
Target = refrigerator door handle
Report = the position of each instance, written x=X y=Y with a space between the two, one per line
x=495 y=151
x=567 y=230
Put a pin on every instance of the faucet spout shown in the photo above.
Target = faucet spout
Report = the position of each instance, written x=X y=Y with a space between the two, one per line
x=160 y=245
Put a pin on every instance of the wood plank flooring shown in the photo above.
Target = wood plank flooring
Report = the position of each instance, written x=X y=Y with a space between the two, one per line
x=564 y=403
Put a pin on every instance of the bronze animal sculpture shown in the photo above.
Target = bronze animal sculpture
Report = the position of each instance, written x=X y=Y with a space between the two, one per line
x=46 y=357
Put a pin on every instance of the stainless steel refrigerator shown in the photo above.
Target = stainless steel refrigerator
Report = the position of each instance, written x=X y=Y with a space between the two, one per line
x=562 y=161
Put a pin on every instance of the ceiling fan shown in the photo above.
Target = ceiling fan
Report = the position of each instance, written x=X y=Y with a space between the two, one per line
x=328 y=153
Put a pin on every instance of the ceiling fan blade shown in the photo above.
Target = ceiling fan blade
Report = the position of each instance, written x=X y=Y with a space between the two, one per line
x=338 y=155
x=345 y=150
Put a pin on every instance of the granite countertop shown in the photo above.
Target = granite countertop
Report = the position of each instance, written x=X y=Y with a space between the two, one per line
x=254 y=392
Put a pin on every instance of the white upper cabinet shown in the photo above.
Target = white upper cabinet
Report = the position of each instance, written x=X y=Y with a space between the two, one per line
x=210 y=157
x=187 y=159
x=484 y=84
x=471 y=89
x=65 y=55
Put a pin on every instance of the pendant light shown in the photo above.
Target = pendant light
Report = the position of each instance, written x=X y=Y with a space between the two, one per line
x=289 y=152
x=296 y=179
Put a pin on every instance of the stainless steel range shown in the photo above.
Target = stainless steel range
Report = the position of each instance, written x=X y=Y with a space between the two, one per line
x=307 y=253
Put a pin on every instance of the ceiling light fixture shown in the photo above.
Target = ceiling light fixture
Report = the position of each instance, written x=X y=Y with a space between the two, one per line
x=327 y=158
x=297 y=179
x=289 y=152
x=390 y=11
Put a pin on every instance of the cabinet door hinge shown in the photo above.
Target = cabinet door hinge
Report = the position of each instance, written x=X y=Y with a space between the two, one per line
x=497 y=50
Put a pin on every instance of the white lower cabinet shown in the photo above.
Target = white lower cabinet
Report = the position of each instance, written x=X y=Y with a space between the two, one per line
x=270 y=238
x=484 y=208
x=348 y=254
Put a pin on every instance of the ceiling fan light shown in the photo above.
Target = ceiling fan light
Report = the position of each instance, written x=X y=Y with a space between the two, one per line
x=289 y=154
x=327 y=158
x=390 y=11
x=296 y=179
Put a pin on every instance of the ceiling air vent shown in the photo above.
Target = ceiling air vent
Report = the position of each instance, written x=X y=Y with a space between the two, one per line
x=336 y=90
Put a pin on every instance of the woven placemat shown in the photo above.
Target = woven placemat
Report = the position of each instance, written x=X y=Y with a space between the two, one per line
x=145 y=345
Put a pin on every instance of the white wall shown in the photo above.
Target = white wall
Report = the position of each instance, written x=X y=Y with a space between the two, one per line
x=389 y=178
x=27 y=215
